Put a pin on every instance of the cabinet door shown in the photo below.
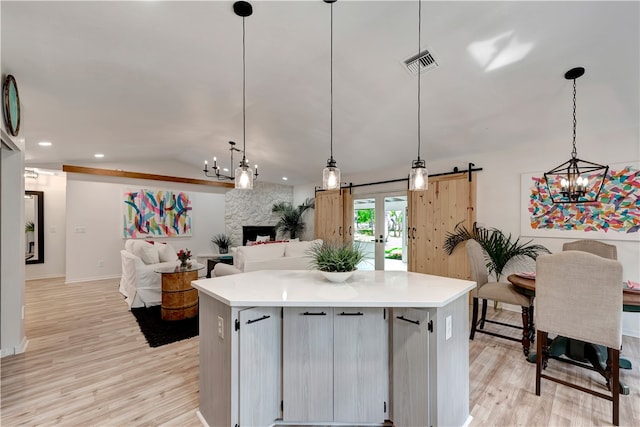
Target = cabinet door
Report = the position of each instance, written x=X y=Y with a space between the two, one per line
x=360 y=365
x=329 y=216
x=411 y=404
x=307 y=377
x=259 y=365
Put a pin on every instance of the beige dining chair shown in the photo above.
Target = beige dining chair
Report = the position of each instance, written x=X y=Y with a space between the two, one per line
x=593 y=247
x=496 y=291
x=579 y=296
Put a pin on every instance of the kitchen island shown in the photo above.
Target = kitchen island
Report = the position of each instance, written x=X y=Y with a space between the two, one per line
x=289 y=347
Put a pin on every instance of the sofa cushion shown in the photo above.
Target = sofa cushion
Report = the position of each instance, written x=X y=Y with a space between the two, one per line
x=300 y=249
x=166 y=252
x=147 y=252
x=258 y=253
x=128 y=245
x=263 y=238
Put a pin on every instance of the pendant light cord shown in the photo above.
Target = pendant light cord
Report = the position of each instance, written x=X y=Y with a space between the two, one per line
x=419 y=39
x=244 y=98
x=574 y=152
x=331 y=84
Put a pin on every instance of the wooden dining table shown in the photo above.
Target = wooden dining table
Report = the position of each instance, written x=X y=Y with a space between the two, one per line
x=563 y=346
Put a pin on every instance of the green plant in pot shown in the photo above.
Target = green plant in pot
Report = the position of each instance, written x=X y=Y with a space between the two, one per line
x=290 y=221
x=499 y=248
x=222 y=241
x=336 y=261
x=29 y=226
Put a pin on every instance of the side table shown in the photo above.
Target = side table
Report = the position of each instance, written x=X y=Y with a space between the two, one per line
x=179 y=298
x=212 y=261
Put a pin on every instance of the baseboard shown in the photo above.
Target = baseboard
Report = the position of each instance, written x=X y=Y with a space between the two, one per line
x=20 y=348
x=201 y=418
x=92 y=279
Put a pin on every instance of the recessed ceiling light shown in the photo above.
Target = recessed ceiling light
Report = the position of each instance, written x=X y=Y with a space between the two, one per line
x=44 y=144
x=98 y=155
x=284 y=178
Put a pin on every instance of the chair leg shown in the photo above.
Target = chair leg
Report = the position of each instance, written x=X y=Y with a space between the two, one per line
x=525 y=331
x=613 y=366
x=542 y=342
x=484 y=313
x=532 y=325
x=474 y=318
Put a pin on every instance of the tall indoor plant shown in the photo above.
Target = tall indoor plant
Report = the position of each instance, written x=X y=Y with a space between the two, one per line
x=499 y=248
x=290 y=221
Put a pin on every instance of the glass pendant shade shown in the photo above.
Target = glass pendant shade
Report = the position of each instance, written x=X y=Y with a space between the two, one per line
x=331 y=177
x=244 y=177
x=419 y=176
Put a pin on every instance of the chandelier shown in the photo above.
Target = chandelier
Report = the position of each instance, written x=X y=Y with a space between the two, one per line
x=579 y=181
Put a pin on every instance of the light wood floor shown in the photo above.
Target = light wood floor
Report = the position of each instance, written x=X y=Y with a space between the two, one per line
x=88 y=364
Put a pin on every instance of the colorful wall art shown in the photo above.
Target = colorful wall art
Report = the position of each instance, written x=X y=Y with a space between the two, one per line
x=615 y=216
x=156 y=213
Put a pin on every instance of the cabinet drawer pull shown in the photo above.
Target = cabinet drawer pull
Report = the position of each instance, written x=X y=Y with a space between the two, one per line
x=257 y=320
x=306 y=313
x=359 y=313
x=415 y=322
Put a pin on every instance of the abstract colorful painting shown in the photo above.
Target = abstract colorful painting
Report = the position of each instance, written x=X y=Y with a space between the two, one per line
x=617 y=210
x=156 y=213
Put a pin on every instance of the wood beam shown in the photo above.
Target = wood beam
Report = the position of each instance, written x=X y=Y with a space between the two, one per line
x=140 y=175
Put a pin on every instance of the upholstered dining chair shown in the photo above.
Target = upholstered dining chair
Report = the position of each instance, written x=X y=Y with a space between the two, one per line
x=593 y=247
x=496 y=291
x=579 y=296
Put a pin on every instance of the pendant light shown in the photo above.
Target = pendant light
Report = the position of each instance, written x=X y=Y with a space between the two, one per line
x=579 y=181
x=244 y=174
x=419 y=176
x=331 y=173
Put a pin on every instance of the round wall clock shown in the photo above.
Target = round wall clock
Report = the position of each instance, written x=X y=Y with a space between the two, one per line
x=11 y=105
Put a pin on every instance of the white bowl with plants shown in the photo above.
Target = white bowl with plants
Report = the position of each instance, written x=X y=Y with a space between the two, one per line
x=336 y=261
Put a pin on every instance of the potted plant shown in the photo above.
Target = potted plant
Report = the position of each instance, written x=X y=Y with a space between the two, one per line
x=290 y=221
x=336 y=261
x=222 y=241
x=499 y=248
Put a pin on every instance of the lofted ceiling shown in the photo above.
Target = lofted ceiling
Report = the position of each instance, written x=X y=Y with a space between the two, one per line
x=145 y=81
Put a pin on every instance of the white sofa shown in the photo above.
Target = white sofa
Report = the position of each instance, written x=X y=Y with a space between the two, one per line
x=268 y=256
x=140 y=284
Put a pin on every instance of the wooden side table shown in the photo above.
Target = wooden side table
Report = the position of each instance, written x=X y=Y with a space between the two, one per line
x=179 y=298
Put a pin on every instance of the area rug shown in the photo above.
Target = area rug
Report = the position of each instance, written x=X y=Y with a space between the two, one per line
x=160 y=332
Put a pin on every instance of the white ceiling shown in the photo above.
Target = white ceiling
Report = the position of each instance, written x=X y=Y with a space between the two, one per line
x=152 y=80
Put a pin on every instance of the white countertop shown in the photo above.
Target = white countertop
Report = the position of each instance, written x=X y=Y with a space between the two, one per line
x=298 y=288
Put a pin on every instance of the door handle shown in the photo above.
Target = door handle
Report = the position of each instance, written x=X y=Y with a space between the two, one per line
x=340 y=231
x=257 y=320
x=350 y=230
x=307 y=313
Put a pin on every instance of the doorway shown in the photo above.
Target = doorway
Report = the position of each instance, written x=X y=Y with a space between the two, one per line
x=379 y=224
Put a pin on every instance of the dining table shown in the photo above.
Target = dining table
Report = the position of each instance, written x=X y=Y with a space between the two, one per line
x=577 y=352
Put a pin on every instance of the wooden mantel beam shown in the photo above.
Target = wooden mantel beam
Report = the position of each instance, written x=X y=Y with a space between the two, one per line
x=140 y=175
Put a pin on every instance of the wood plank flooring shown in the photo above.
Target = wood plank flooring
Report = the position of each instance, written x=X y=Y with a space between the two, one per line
x=88 y=364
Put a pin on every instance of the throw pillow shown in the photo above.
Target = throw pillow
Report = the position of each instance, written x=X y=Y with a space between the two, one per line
x=147 y=252
x=263 y=238
x=167 y=253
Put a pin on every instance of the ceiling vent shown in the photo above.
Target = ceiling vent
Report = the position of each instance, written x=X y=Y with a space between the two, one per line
x=424 y=61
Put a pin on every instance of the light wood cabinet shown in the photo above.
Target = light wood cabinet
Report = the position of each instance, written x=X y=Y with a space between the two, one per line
x=260 y=337
x=433 y=213
x=333 y=216
x=335 y=364
x=360 y=384
x=307 y=380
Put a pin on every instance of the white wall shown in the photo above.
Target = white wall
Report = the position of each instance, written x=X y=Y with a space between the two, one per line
x=55 y=205
x=498 y=189
x=94 y=204
x=12 y=333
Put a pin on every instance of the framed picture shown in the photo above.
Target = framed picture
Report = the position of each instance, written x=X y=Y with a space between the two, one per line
x=156 y=213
